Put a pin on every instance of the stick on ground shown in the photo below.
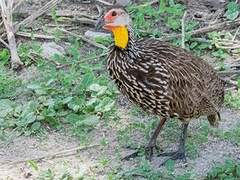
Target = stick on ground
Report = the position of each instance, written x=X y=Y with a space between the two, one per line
x=28 y=21
x=63 y=153
x=183 y=29
x=216 y=27
x=6 y=12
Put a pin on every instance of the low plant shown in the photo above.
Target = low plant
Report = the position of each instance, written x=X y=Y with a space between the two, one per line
x=229 y=170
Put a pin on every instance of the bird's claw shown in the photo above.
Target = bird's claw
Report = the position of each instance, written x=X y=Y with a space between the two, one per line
x=148 y=153
x=174 y=156
x=130 y=156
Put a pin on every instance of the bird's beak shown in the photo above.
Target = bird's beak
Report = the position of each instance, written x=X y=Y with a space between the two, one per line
x=103 y=23
x=100 y=23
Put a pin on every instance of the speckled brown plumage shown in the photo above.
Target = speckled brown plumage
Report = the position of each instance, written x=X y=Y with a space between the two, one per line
x=162 y=79
x=166 y=80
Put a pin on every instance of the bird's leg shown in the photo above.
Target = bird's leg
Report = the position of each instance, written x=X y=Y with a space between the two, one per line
x=180 y=153
x=151 y=144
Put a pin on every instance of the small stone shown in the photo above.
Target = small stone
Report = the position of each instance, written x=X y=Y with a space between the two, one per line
x=94 y=35
x=123 y=2
x=49 y=49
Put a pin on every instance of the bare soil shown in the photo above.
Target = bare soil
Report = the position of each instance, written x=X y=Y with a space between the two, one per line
x=87 y=162
x=14 y=156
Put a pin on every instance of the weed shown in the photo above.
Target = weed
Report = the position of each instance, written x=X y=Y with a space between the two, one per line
x=147 y=18
x=9 y=83
x=232 y=135
x=4 y=56
x=232 y=11
x=47 y=175
x=229 y=170
x=78 y=96
x=28 y=52
x=144 y=170
x=233 y=99
x=198 y=137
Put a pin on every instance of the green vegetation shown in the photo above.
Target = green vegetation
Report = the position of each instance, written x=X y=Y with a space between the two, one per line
x=146 y=19
x=77 y=96
x=230 y=170
x=73 y=93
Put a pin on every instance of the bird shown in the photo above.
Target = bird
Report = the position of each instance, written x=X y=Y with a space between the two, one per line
x=162 y=79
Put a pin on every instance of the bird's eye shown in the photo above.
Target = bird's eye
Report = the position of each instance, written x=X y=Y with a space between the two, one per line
x=114 y=13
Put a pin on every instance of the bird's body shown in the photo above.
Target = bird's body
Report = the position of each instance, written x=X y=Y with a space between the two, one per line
x=166 y=80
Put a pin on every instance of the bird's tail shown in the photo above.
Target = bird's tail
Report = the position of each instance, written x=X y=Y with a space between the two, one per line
x=214 y=119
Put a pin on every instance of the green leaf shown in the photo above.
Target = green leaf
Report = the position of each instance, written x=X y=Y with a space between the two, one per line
x=33 y=164
x=105 y=105
x=37 y=88
x=87 y=80
x=232 y=11
x=72 y=118
x=26 y=119
x=33 y=86
x=4 y=56
x=91 y=120
x=6 y=106
x=95 y=87
x=98 y=88
x=170 y=165
x=82 y=120
x=36 y=126
x=30 y=107
x=67 y=100
x=238 y=171
x=76 y=104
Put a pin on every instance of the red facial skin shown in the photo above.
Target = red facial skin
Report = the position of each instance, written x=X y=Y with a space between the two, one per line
x=109 y=19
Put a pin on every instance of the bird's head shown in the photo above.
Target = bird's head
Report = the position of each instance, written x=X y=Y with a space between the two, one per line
x=116 y=18
x=117 y=21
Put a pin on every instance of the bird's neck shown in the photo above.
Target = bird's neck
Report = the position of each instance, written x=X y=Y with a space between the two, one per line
x=123 y=37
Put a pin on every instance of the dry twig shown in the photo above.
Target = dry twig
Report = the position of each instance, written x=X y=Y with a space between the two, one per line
x=183 y=29
x=59 y=154
x=35 y=36
x=216 y=27
x=82 y=60
x=4 y=43
x=17 y=4
x=84 y=39
x=104 y=2
x=41 y=11
x=7 y=9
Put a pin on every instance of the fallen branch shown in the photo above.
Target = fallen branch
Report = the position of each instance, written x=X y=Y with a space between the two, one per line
x=84 y=39
x=84 y=21
x=229 y=73
x=215 y=27
x=17 y=4
x=4 y=43
x=82 y=60
x=104 y=2
x=34 y=36
x=7 y=9
x=59 y=154
x=28 y=21
x=183 y=29
x=149 y=3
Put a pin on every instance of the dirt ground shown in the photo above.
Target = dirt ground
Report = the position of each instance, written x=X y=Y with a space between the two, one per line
x=14 y=156
x=86 y=162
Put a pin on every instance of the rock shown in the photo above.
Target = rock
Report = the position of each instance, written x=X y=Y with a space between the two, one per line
x=93 y=35
x=122 y=2
x=49 y=49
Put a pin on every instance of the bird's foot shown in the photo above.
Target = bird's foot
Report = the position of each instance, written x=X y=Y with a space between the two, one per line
x=148 y=153
x=176 y=155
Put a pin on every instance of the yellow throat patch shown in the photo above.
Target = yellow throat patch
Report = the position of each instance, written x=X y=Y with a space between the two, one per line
x=120 y=36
